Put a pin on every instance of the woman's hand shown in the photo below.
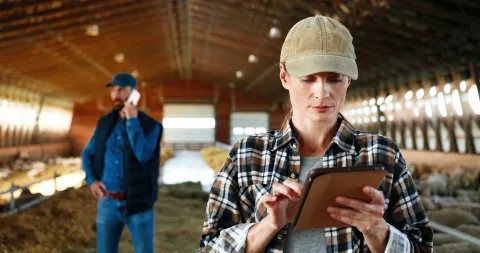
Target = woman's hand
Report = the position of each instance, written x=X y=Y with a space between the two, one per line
x=367 y=217
x=282 y=203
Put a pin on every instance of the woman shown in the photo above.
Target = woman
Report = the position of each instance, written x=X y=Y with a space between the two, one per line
x=254 y=196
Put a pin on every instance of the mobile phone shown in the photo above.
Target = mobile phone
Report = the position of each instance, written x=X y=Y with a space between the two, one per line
x=134 y=97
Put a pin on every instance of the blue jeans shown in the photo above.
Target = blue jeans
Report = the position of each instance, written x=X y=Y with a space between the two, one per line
x=112 y=216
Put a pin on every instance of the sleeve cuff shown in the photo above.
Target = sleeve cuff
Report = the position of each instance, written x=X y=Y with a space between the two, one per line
x=90 y=180
x=133 y=123
x=397 y=241
x=234 y=239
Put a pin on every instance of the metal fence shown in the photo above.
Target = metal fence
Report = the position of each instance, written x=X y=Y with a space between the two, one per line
x=13 y=206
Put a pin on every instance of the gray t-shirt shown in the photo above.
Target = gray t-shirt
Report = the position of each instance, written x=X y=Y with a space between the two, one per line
x=312 y=240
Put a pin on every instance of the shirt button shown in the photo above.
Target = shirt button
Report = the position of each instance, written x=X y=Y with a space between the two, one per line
x=280 y=236
x=293 y=175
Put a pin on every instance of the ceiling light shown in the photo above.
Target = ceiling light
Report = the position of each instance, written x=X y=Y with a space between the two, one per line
x=382 y=118
x=252 y=59
x=382 y=108
x=366 y=120
x=447 y=88
x=119 y=58
x=374 y=108
x=365 y=103
x=433 y=91
x=457 y=104
x=135 y=73
x=372 y=101
x=420 y=93
x=239 y=74
x=374 y=119
x=391 y=118
x=408 y=95
x=275 y=33
x=93 y=30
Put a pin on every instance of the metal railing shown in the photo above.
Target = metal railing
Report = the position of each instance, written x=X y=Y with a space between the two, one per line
x=13 y=207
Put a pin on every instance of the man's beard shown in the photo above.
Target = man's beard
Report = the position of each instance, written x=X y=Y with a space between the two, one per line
x=118 y=106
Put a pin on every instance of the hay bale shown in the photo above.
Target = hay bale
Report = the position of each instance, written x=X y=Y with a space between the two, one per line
x=463 y=247
x=472 y=230
x=453 y=217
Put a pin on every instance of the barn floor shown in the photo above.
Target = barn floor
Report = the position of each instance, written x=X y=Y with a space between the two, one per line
x=66 y=223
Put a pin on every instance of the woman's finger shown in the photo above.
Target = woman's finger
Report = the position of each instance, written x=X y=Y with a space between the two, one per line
x=281 y=189
x=375 y=195
x=362 y=206
x=294 y=185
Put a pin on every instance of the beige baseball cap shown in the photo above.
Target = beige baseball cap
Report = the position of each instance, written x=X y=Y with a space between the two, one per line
x=319 y=44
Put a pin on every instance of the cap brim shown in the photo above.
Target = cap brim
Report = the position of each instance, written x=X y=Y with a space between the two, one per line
x=313 y=64
x=108 y=85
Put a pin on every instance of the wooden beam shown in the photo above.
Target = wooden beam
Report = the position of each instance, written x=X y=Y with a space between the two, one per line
x=432 y=10
x=75 y=21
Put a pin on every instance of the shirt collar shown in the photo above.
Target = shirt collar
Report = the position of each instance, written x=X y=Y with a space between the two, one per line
x=344 y=139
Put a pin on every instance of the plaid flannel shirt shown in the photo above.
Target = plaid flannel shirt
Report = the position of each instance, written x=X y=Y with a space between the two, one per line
x=255 y=162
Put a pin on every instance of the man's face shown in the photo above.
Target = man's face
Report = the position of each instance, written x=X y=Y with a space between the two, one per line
x=119 y=95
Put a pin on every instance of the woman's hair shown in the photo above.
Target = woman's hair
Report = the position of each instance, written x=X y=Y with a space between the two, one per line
x=287 y=107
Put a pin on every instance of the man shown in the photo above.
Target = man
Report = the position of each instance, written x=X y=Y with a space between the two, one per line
x=122 y=162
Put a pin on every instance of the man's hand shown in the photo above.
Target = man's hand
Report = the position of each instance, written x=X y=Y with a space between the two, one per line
x=281 y=205
x=130 y=110
x=98 y=189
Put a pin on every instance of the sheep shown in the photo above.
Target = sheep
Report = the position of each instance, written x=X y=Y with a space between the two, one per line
x=37 y=169
x=463 y=247
x=453 y=217
x=440 y=239
x=470 y=229
x=436 y=184
x=5 y=172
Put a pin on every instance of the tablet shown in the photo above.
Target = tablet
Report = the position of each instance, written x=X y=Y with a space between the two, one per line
x=323 y=185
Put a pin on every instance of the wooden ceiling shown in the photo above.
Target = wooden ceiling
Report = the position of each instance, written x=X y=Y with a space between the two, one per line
x=44 y=46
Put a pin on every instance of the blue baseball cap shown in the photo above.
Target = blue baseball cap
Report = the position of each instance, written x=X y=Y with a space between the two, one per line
x=123 y=80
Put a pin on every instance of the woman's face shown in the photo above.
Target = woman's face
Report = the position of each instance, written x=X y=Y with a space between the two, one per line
x=318 y=97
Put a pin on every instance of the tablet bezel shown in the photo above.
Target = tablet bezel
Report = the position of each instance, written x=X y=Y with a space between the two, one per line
x=313 y=174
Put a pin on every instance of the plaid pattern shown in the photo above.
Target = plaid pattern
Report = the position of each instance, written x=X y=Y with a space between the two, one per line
x=255 y=162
